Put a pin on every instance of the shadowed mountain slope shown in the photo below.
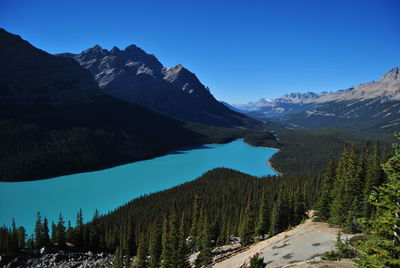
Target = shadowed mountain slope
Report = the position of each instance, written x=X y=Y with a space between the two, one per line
x=134 y=76
x=55 y=120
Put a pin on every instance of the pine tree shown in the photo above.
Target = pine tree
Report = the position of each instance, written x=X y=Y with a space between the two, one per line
x=45 y=232
x=60 y=238
x=79 y=230
x=38 y=232
x=338 y=209
x=247 y=228
x=263 y=224
x=374 y=177
x=118 y=259
x=130 y=246
x=223 y=235
x=155 y=246
x=358 y=201
x=31 y=242
x=325 y=199
x=53 y=233
x=174 y=237
x=21 y=237
x=256 y=262
x=382 y=247
x=195 y=228
x=94 y=231
x=279 y=218
x=204 y=257
x=289 y=208
x=182 y=247
x=166 y=255
x=141 y=260
x=69 y=233
x=353 y=184
x=299 y=212
x=12 y=237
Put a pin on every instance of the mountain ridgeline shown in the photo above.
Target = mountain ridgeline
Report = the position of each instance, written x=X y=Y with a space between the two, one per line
x=372 y=107
x=55 y=120
x=134 y=76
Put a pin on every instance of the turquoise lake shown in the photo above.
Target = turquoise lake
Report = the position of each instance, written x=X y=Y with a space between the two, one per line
x=109 y=188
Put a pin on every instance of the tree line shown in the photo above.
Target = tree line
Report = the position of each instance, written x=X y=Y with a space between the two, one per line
x=361 y=193
x=347 y=184
x=164 y=228
x=193 y=217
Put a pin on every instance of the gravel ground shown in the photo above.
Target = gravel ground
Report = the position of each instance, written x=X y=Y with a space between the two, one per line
x=302 y=243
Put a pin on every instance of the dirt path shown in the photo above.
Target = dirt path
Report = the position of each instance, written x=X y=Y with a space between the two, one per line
x=302 y=243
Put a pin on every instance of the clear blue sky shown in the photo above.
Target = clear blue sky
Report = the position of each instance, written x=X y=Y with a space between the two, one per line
x=243 y=50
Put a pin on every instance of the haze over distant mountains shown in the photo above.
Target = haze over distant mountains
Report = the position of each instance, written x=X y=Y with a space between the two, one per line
x=370 y=106
x=134 y=76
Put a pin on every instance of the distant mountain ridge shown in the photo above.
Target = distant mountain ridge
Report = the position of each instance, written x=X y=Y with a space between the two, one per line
x=134 y=76
x=388 y=88
x=373 y=105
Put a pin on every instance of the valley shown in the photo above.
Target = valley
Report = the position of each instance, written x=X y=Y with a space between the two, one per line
x=371 y=107
x=111 y=156
x=107 y=189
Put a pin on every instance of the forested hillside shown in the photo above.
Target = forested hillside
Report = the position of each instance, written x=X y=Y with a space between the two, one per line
x=361 y=193
x=309 y=151
x=221 y=205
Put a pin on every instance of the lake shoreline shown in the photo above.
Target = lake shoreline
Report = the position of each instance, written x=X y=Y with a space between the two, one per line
x=269 y=164
x=122 y=163
x=108 y=189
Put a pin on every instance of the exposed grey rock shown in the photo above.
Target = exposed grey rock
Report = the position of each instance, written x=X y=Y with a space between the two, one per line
x=386 y=89
x=134 y=76
x=370 y=106
x=62 y=259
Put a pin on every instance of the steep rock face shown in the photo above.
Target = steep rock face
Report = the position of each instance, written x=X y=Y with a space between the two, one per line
x=133 y=75
x=29 y=75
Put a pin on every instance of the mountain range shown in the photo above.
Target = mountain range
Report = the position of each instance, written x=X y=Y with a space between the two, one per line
x=373 y=106
x=72 y=113
x=55 y=120
x=134 y=76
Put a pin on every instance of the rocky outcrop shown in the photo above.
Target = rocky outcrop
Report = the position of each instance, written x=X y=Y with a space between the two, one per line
x=134 y=76
x=60 y=259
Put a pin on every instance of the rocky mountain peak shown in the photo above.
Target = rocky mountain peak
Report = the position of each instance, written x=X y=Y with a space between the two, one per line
x=184 y=79
x=134 y=49
x=115 y=50
x=393 y=74
x=135 y=76
x=136 y=54
x=96 y=50
x=297 y=97
x=172 y=73
x=94 y=53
